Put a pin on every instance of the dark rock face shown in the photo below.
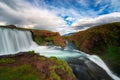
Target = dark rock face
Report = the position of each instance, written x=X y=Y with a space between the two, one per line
x=11 y=26
x=85 y=69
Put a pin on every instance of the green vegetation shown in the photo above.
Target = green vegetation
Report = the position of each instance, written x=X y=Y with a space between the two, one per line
x=112 y=55
x=112 y=58
x=29 y=66
x=7 y=60
x=43 y=37
x=32 y=52
x=113 y=52
x=39 y=41
x=23 y=72
x=61 y=67
x=42 y=58
x=53 y=74
x=44 y=41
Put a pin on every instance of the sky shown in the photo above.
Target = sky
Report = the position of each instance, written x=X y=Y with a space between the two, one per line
x=64 y=16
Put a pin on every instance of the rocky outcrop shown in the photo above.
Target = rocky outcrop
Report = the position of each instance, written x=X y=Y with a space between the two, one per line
x=96 y=40
x=44 y=37
x=31 y=66
x=9 y=26
x=58 y=40
x=102 y=40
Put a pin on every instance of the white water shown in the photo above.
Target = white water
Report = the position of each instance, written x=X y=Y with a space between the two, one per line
x=57 y=52
x=12 y=41
x=101 y=63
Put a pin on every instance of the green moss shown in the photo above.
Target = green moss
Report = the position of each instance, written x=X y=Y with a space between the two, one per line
x=61 y=65
x=31 y=51
x=24 y=72
x=53 y=58
x=7 y=60
x=50 y=38
x=46 y=40
x=35 y=67
x=112 y=55
x=42 y=58
x=53 y=74
x=113 y=51
x=39 y=41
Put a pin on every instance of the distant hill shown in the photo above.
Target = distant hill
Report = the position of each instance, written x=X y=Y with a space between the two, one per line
x=103 y=40
x=69 y=34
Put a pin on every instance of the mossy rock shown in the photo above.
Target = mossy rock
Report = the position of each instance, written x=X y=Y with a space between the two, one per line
x=31 y=66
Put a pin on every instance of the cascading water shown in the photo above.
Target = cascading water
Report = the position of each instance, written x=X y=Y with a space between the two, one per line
x=101 y=63
x=85 y=67
x=12 y=41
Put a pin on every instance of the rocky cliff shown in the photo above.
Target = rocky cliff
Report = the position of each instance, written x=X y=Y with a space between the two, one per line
x=103 y=40
x=44 y=37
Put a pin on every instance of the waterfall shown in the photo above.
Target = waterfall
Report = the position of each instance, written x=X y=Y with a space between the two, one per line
x=13 y=41
x=85 y=67
x=101 y=63
x=69 y=46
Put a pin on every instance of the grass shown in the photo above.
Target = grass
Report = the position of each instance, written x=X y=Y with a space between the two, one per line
x=42 y=58
x=34 y=67
x=42 y=41
x=53 y=74
x=31 y=51
x=39 y=41
x=7 y=60
x=24 y=72
x=112 y=55
x=62 y=66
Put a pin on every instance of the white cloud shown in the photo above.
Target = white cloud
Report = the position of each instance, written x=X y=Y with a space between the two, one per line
x=38 y=14
x=27 y=14
x=2 y=23
x=70 y=19
x=89 y=22
x=98 y=2
x=83 y=3
x=102 y=8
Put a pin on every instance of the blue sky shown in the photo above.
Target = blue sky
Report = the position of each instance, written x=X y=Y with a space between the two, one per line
x=64 y=16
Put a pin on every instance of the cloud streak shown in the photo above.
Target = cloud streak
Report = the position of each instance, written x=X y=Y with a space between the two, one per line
x=90 y=22
x=29 y=15
x=59 y=15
